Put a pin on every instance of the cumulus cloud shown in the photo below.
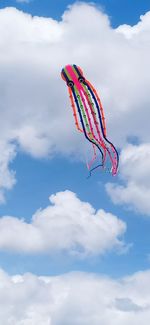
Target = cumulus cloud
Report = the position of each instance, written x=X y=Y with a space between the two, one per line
x=74 y=298
x=32 y=55
x=142 y=28
x=68 y=224
x=34 y=102
x=135 y=176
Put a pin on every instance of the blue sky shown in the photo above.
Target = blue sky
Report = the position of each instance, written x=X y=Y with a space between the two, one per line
x=43 y=157
x=125 y=12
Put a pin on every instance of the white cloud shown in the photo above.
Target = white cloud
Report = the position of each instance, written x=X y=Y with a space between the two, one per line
x=33 y=52
x=34 y=101
x=68 y=224
x=7 y=176
x=141 y=28
x=135 y=174
x=74 y=298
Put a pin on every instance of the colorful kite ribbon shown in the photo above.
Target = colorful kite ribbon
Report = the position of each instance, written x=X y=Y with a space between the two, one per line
x=85 y=100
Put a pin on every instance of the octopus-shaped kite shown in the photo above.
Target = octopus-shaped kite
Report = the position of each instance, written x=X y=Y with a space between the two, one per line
x=85 y=101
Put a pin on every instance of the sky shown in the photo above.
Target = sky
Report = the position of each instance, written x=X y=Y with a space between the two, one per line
x=73 y=250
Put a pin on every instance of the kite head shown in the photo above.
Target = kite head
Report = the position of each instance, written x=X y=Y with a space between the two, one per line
x=72 y=74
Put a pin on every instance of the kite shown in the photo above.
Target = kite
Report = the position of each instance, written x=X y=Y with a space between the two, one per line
x=89 y=118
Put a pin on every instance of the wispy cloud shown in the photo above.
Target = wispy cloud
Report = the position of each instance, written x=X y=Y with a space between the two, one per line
x=23 y=1
x=7 y=176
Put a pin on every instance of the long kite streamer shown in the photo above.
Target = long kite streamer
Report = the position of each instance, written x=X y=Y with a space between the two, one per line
x=89 y=117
